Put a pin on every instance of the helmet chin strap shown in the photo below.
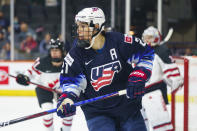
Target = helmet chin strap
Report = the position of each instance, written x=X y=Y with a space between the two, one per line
x=91 y=43
x=56 y=59
x=93 y=39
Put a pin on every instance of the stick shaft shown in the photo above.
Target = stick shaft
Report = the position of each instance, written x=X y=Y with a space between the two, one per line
x=26 y=118
x=17 y=120
x=168 y=36
x=118 y=93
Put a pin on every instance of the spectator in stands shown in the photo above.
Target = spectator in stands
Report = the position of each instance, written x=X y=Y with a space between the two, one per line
x=4 y=2
x=43 y=7
x=24 y=30
x=51 y=3
x=188 y=52
x=4 y=44
x=44 y=44
x=2 y=39
x=28 y=45
x=4 y=23
x=7 y=34
x=16 y=24
x=3 y=30
x=5 y=51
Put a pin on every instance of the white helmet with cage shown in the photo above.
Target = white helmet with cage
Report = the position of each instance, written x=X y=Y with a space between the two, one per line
x=151 y=36
x=92 y=16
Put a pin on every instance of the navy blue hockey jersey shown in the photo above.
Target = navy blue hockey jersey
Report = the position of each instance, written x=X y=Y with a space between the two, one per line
x=89 y=73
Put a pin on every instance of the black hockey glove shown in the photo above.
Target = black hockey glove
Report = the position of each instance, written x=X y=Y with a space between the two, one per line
x=22 y=79
x=64 y=105
x=136 y=84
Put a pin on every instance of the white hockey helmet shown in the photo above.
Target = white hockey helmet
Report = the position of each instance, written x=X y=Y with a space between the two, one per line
x=151 y=36
x=92 y=15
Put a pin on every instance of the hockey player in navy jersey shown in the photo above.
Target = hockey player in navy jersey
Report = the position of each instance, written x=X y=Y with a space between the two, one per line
x=46 y=71
x=100 y=63
x=165 y=72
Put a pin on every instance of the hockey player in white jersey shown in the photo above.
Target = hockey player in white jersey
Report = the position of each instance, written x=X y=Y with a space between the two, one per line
x=165 y=72
x=46 y=72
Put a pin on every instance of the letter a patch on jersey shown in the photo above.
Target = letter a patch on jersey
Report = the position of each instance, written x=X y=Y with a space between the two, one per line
x=128 y=39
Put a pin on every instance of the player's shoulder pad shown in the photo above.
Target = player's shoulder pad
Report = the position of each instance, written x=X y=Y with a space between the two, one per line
x=123 y=38
x=41 y=63
x=113 y=35
x=74 y=54
x=164 y=53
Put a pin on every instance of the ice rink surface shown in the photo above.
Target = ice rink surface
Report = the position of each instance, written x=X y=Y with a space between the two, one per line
x=16 y=107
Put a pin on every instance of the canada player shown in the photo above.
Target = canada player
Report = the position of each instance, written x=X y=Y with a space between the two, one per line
x=165 y=72
x=46 y=72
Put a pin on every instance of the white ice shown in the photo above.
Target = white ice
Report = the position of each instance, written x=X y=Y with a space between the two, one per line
x=17 y=107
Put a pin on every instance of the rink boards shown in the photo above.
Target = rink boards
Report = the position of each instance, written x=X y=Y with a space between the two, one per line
x=9 y=87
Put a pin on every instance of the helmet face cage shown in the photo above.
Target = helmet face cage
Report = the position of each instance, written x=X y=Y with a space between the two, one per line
x=151 y=36
x=86 y=20
x=84 y=31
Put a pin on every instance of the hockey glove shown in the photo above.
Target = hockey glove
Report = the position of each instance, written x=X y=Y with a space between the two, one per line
x=22 y=79
x=136 y=84
x=65 y=105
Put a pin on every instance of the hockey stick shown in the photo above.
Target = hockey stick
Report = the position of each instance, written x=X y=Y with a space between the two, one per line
x=168 y=36
x=7 y=123
x=41 y=86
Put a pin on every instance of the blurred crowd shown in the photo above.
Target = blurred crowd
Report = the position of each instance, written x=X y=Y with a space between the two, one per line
x=27 y=46
x=4 y=37
x=29 y=43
